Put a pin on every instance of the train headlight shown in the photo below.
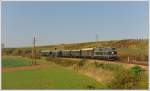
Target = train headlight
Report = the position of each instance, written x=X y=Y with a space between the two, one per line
x=112 y=52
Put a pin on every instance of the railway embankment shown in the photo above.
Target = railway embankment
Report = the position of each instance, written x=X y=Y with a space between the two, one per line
x=124 y=75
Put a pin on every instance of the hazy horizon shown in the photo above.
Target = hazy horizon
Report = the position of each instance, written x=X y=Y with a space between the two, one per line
x=72 y=22
x=38 y=45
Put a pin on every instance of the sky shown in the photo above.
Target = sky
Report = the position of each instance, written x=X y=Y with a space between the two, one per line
x=72 y=22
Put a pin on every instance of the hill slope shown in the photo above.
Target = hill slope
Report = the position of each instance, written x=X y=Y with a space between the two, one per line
x=136 y=49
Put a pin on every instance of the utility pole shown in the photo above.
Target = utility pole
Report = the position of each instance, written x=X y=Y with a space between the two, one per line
x=3 y=45
x=34 y=51
x=2 y=50
x=96 y=40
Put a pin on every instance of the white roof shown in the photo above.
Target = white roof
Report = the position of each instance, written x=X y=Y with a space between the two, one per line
x=45 y=51
x=76 y=50
x=87 y=49
x=65 y=50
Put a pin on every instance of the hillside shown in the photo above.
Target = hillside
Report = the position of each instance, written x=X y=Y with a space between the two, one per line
x=136 y=49
x=130 y=43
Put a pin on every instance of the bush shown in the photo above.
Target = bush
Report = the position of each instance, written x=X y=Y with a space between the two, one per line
x=90 y=87
x=62 y=62
x=96 y=64
x=136 y=70
x=107 y=66
x=126 y=79
x=82 y=62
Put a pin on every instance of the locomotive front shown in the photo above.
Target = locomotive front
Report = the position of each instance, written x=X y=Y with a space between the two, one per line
x=105 y=53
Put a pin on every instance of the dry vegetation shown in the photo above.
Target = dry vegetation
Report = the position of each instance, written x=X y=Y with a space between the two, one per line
x=135 y=49
x=112 y=75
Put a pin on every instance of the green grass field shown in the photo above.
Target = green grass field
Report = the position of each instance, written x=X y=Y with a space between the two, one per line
x=51 y=77
x=54 y=75
x=11 y=61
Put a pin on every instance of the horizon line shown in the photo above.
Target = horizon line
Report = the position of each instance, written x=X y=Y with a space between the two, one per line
x=78 y=42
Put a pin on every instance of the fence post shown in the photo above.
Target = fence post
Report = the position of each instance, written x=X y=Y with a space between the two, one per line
x=128 y=59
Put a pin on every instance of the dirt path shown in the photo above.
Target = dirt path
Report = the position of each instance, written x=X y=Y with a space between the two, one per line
x=10 y=69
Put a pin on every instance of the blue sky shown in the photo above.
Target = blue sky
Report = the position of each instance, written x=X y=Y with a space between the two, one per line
x=72 y=22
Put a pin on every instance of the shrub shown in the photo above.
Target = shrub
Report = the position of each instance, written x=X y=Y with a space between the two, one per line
x=82 y=62
x=62 y=62
x=126 y=79
x=96 y=64
x=90 y=87
x=136 y=70
x=107 y=66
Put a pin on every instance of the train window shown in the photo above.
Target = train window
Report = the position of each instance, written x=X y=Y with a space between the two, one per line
x=106 y=53
x=99 y=53
x=100 y=49
x=109 y=53
x=113 y=48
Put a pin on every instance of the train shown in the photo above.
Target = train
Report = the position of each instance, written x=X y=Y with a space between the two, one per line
x=106 y=53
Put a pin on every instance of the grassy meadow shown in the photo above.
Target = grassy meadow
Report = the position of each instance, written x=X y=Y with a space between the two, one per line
x=57 y=73
x=11 y=61
x=51 y=77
